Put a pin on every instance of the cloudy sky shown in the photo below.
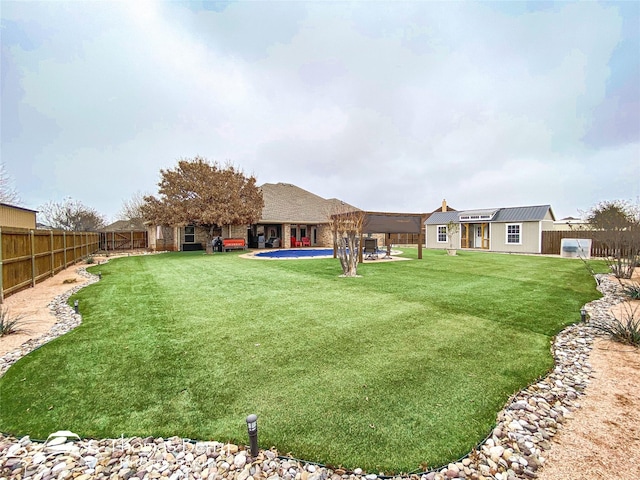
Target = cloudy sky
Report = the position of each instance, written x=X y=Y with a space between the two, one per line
x=390 y=106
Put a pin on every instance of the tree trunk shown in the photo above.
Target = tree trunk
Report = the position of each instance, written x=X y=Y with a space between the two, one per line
x=348 y=254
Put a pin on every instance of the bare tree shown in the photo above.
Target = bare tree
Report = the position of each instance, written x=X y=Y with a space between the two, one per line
x=8 y=193
x=617 y=225
x=132 y=208
x=201 y=193
x=346 y=228
x=71 y=215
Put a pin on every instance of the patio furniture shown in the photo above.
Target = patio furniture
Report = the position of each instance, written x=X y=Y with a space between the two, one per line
x=233 y=244
x=295 y=243
x=273 y=242
x=371 y=248
x=306 y=241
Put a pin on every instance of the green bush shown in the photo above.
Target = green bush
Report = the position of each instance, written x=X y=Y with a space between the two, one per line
x=90 y=259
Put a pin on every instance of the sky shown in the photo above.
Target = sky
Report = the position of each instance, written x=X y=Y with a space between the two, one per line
x=388 y=106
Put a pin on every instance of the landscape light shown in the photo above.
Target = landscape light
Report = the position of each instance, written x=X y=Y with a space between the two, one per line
x=583 y=314
x=75 y=306
x=252 y=428
x=99 y=275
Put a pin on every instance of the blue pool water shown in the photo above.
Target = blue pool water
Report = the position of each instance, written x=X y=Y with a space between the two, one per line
x=302 y=252
x=297 y=252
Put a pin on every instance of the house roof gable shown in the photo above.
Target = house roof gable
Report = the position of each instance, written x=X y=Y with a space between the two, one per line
x=287 y=203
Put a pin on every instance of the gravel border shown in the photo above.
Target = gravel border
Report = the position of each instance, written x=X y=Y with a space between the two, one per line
x=514 y=450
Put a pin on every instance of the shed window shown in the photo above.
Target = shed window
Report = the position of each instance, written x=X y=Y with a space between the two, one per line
x=442 y=234
x=514 y=233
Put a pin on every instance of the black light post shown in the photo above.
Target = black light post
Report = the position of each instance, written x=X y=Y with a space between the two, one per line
x=76 y=308
x=252 y=428
x=583 y=314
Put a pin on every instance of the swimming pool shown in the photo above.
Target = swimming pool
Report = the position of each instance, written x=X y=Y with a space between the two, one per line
x=297 y=253
x=304 y=253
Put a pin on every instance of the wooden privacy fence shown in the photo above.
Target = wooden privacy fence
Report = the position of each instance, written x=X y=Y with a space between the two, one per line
x=551 y=242
x=404 y=238
x=30 y=256
x=121 y=240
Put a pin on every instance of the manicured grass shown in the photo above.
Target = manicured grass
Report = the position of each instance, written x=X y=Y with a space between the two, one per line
x=404 y=366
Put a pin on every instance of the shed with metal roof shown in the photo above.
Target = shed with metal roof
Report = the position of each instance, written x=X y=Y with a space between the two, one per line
x=508 y=229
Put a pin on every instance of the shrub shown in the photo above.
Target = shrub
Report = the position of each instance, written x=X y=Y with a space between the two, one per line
x=624 y=330
x=632 y=291
x=9 y=324
x=90 y=259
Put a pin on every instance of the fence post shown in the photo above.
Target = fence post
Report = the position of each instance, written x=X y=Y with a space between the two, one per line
x=53 y=255
x=33 y=258
x=64 y=248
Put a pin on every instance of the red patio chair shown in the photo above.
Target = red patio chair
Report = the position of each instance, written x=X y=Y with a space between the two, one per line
x=295 y=243
x=306 y=241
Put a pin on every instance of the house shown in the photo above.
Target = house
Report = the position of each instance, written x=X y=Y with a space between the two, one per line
x=511 y=229
x=17 y=217
x=289 y=212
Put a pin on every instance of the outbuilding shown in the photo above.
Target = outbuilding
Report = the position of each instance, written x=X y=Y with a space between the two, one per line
x=505 y=229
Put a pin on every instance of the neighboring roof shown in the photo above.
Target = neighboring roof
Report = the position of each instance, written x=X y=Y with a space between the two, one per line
x=134 y=225
x=502 y=215
x=18 y=208
x=286 y=203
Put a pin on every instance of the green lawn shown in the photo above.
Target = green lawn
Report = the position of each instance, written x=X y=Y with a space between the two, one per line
x=406 y=365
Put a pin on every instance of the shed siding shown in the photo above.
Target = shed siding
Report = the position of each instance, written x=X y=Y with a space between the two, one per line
x=17 y=217
x=431 y=238
x=548 y=223
x=529 y=238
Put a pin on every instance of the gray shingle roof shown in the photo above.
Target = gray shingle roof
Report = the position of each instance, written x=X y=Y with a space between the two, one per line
x=125 y=226
x=286 y=203
x=510 y=214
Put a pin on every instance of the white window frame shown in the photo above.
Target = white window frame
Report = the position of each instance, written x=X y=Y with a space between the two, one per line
x=438 y=233
x=507 y=233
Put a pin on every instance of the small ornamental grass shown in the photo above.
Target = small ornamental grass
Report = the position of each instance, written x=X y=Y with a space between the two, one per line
x=625 y=329
x=10 y=324
x=632 y=291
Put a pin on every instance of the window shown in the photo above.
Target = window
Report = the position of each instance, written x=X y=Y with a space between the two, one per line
x=442 y=234
x=513 y=233
x=189 y=234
